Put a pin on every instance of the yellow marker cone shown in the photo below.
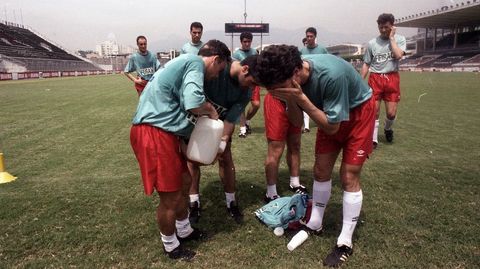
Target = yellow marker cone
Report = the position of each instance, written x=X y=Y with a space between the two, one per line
x=4 y=175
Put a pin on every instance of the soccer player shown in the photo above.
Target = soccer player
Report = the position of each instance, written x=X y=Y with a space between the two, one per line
x=341 y=104
x=160 y=124
x=144 y=63
x=381 y=59
x=193 y=46
x=240 y=54
x=280 y=132
x=229 y=94
x=311 y=47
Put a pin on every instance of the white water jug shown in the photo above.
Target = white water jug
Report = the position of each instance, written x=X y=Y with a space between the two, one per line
x=205 y=140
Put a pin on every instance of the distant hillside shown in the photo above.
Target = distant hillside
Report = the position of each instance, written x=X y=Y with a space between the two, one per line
x=277 y=36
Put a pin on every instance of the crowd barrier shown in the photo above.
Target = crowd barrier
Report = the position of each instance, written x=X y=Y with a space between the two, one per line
x=53 y=74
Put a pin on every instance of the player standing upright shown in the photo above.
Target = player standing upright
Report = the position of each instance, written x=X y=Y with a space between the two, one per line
x=144 y=63
x=311 y=47
x=240 y=54
x=194 y=45
x=381 y=59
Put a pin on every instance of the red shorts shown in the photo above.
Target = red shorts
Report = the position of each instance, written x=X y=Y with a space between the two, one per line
x=255 y=94
x=140 y=87
x=354 y=135
x=385 y=86
x=159 y=157
x=277 y=125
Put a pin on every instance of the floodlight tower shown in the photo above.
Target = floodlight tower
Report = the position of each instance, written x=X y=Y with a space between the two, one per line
x=245 y=11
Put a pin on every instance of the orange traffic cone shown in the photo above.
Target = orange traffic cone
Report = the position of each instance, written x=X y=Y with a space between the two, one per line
x=4 y=175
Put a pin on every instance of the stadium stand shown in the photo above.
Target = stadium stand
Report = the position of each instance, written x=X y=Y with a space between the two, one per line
x=22 y=51
x=448 y=39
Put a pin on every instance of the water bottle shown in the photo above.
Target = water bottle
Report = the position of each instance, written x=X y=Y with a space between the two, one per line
x=297 y=240
x=205 y=140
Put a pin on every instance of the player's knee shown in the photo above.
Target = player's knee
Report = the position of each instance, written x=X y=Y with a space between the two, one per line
x=321 y=174
x=271 y=160
x=351 y=181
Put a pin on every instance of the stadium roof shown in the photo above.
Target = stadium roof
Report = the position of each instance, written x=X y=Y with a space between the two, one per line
x=463 y=14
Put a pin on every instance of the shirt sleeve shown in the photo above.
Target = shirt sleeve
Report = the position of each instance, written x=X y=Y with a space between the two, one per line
x=402 y=43
x=237 y=56
x=336 y=102
x=192 y=94
x=130 y=67
x=367 y=58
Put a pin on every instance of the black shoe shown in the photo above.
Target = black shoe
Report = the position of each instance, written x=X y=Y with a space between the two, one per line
x=338 y=256
x=195 y=235
x=249 y=129
x=194 y=215
x=305 y=130
x=180 y=253
x=299 y=189
x=242 y=135
x=389 y=135
x=375 y=144
x=269 y=199
x=234 y=212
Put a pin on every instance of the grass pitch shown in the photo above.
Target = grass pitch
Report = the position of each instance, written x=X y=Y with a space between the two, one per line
x=78 y=200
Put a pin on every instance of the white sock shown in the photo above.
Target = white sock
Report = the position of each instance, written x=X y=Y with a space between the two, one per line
x=170 y=242
x=195 y=198
x=321 y=195
x=352 y=205
x=306 y=121
x=229 y=197
x=243 y=129
x=375 y=131
x=294 y=181
x=272 y=190
x=388 y=124
x=184 y=228
x=247 y=122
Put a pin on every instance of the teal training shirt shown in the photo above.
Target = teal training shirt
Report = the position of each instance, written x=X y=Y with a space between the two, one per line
x=172 y=91
x=145 y=65
x=378 y=54
x=240 y=54
x=190 y=48
x=334 y=86
x=227 y=97
x=318 y=49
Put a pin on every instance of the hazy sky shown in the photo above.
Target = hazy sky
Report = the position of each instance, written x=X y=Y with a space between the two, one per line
x=80 y=24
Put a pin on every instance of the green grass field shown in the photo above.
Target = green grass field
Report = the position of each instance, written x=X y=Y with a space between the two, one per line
x=78 y=200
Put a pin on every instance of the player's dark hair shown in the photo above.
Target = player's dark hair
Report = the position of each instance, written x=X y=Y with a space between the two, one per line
x=141 y=37
x=311 y=30
x=246 y=35
x=276 y=64
x=304 y=40
x=215 y=48
x=386 y=17
x=196 y=24
x=251 y=62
